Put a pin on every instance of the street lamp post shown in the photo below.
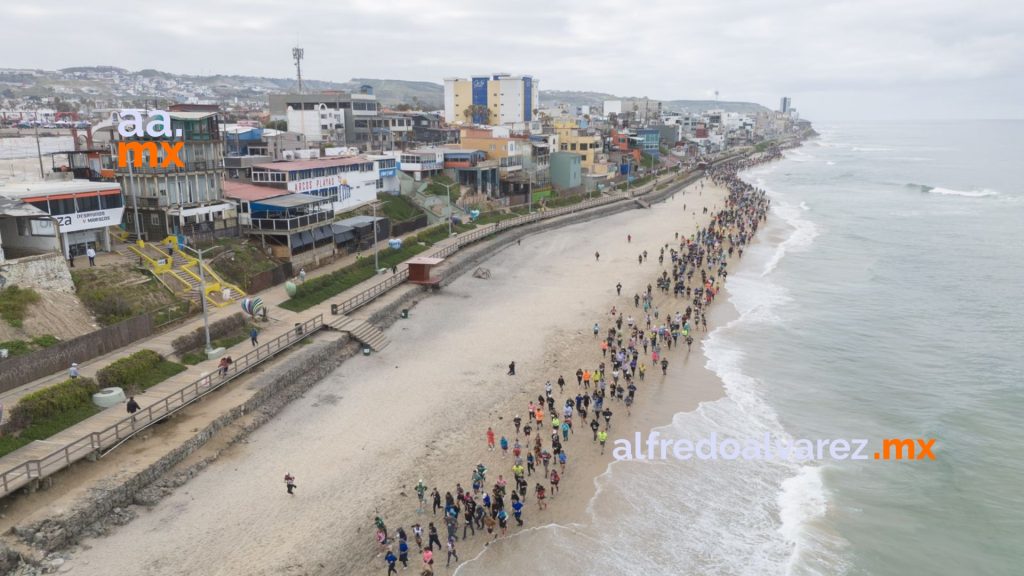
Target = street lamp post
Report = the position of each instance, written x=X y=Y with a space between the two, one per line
x=202 y=295
x=376 y=248
x=448 y=188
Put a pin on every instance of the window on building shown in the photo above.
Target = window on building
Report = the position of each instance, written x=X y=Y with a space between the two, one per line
x=154 y=219
x=88 y=203
x=63 y=206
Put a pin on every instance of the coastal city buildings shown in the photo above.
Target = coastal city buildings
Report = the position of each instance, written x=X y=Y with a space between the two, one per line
x=496 y=99
x=186 y=200
x=336 y=118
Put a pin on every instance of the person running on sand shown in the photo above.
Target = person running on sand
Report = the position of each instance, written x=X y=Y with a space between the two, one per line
x=417 y=534
x=597 y=256
x=490 y=523
x=517 y=511
x=529 y=463
x=512 y=368
x=391 y=559
x=490 y=439
x=664 y=366
x=435 y=496
x=289 y=482
x=561 y=384
x=595 y=426
x=607 y=413
x=432 y=537
x=518 y=422
x=602 y=437
x=618 y=289
x=579 y=377
x=503 y=522
x=451 y=551
x=504 y=446
x=403 y=553
x=421 y=490
x=526 y=431
x=541 y=495
x=428 y=559
x=555 y=479
x=597 y=328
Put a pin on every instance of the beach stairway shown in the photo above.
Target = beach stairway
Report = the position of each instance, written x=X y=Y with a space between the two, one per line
x=362 y=331
x=642 y=203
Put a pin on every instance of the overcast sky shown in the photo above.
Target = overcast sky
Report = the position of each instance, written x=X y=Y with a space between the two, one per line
x=837 y=59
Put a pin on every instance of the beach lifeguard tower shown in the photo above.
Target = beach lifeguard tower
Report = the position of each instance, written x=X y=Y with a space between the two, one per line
x=419 y=271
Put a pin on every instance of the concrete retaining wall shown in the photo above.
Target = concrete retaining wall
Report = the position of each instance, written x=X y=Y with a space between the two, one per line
x=45 y=271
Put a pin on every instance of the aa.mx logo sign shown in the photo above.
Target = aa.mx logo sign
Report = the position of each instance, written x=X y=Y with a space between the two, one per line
x=162 y=153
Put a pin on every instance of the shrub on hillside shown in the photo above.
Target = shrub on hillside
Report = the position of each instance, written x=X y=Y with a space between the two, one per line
x=124 y=373
x=219 y=329
x=51 y=402
x=14 y=303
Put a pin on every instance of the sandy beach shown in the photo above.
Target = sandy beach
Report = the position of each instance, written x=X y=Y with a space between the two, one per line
x=359 y=441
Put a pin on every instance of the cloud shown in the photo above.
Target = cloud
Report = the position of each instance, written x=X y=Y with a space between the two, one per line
x=827 y=55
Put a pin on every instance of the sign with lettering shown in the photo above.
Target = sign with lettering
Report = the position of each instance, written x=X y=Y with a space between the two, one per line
x=130 y=124
x=312 y=184
x=89 y=220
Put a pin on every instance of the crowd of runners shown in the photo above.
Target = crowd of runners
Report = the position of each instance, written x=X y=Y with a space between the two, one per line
x=533 y=444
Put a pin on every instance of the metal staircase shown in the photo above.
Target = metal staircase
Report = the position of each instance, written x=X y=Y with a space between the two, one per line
x=362 y=331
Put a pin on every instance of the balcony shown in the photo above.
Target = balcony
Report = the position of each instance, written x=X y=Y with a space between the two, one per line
x=286 y=224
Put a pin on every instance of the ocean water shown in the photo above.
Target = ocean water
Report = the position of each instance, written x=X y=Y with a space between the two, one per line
x=882 y=300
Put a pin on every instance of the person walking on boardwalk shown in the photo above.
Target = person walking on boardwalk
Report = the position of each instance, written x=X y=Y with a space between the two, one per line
x=254 y=336
x=133 y=407
x=289 y=482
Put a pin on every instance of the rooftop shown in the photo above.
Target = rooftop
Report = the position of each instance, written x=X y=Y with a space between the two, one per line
x=330 y=162
x=30 y=189
x=250 y=192
x=293 y=200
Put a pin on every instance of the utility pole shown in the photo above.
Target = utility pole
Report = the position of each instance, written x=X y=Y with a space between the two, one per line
x=202 y=295
x=39 y=150
x=376 y=249
x=448 y=188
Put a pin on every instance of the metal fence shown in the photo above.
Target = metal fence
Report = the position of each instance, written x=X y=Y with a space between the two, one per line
x=366 y=296
x=122 y=430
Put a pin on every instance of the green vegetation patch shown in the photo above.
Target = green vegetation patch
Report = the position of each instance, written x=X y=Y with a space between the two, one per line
x=117 y=293
x=398 y=208
x=14 y=303
x=43 y=413
x=19 y=347
x=137 y=372
x=238 y=260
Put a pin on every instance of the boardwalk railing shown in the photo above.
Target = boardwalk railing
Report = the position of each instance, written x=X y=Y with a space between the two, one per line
x=366 y=296
x=129 y=426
